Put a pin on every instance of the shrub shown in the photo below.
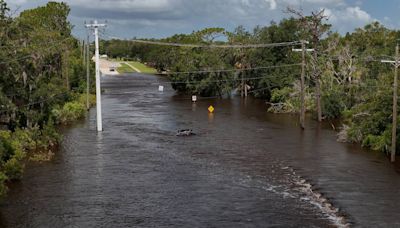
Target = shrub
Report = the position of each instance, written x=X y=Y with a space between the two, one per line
x=11 y=159
x=13 y=169
x=332 y=105
x=281 y=95
x=377 y=142
x=6 y=149
x=3 y=187
x=71 y=111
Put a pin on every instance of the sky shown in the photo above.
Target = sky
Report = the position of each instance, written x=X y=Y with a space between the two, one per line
x=162 y=18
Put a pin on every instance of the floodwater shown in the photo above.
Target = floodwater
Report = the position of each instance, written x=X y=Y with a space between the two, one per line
x=243 y=168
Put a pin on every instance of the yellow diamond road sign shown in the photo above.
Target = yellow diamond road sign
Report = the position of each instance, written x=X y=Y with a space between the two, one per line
x=211 y=109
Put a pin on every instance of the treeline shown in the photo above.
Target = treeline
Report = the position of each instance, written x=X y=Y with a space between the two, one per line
x=42 y=77
x=344 y=73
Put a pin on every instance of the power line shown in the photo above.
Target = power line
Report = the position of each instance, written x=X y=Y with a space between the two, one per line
x=221 y=80
x=283 y=44
x=215 y=97
x=30 y=56
x=197 y=81
x=17 y=91
x=233 y=70
x=174 y=44
x=32 y=45
x=36 y=102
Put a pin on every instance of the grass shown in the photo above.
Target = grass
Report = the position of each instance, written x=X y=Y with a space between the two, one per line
x=143 y=68
x=125 y=69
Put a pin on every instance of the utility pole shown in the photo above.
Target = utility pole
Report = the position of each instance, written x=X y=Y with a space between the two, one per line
x=67 y=69
x=242 y=89
x=317 y=85
x=84 y=52
x=87 y=47
x=82 y=46
x=303 y=51
x=244 y=84
x=96 y=27
x=396 y=65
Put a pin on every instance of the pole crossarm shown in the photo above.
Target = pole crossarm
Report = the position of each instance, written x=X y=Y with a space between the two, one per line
x=95 y=25
x=300 y=50
x=395 y=63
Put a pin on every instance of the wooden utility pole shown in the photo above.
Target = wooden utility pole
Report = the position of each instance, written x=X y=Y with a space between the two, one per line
x=65 y=68
x=303 y=51
x=242 y=89
x=395 y=87
x=87 y=52
x=84 y=52
x=82 y=46
x=396 y=64
x=302 y=87
x=244 y=83
x=317 y=77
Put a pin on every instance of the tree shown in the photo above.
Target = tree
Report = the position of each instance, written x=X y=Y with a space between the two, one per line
x=314 y=28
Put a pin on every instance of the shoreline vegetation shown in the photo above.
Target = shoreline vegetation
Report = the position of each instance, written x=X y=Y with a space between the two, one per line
x=344 y=76
x=42 y=85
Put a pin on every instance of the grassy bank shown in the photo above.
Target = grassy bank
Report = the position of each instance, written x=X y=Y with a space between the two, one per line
x=143 y=68
x=36 y=144
x=126 y=68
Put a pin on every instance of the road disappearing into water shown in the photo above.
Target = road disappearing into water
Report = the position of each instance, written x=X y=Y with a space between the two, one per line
x=243 y=168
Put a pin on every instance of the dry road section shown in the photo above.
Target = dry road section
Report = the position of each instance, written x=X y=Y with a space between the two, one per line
x=106 y=66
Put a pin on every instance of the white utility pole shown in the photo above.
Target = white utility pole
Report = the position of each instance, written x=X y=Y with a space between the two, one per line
x=96 y=26
x=303 y=51
x=396 y=65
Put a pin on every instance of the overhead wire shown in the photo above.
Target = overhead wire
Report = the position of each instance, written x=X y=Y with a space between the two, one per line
x=37 y=102
x=175 y=44
x=233 y=70
x=30 y=55
x=19 y=90
x=33 y=45
x=217 y=45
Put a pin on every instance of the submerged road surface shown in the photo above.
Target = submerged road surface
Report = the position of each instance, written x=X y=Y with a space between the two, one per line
x=243 y=168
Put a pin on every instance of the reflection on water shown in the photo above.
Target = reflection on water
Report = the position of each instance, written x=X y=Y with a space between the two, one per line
x=210 y=117
x=243 y=168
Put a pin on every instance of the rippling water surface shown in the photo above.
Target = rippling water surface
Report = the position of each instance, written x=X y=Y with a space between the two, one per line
x=243 y=168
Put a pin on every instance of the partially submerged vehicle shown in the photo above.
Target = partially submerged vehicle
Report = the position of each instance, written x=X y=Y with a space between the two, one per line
x=185 y=132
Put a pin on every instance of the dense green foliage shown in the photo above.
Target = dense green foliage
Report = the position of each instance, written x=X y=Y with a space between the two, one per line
x=354 y=84
x=41 y=76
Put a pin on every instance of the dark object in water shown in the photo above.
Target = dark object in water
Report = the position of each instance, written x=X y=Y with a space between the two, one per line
x=185 y=132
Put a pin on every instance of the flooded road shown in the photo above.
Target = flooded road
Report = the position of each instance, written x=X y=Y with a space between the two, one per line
x=243 y=168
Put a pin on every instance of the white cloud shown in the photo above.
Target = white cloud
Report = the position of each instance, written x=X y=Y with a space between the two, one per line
x=125 y=5
x=356 y=13
x=272 y=4
x=319 y=2
x=16 y=2
x=167 y=17
x=348 y=17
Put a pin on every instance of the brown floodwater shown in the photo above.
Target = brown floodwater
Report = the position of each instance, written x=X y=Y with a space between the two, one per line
x=243 y=168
